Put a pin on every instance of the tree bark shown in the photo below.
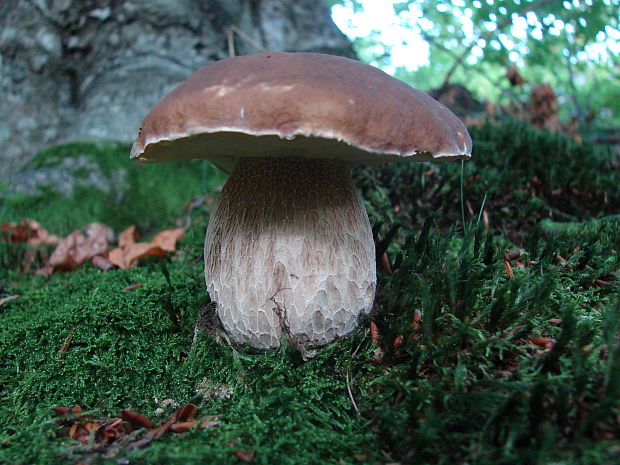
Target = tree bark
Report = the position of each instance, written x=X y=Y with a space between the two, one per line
x=91 y=69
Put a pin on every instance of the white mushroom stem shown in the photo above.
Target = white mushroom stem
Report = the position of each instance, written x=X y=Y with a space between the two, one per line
x=289 y=252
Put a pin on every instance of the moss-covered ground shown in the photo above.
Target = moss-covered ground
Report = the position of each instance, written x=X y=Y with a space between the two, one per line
x=511 y=261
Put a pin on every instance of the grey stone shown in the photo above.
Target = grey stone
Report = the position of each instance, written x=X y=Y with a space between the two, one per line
x=67 y=174
x=91 y=69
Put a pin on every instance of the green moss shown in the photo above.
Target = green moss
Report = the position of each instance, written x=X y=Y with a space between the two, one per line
x=468 y=387
x=520 y=173
x=125 y=350
x=149 y=195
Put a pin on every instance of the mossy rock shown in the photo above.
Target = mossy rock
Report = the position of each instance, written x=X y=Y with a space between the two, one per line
x=67 y=186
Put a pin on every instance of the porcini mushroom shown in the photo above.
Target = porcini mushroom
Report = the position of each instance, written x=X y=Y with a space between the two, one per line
x=289 y=249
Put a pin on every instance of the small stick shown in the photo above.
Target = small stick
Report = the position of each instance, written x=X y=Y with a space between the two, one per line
x=66 y=344
x=8 y=299
x=232 y=30
x=350 y=392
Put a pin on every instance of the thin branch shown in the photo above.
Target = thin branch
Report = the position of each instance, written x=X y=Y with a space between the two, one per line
x=230 y=35
x=487 y=35
x=509 y=93
x=351 y=392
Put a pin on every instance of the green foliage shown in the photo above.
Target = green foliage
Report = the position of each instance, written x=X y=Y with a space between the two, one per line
x=472 y=42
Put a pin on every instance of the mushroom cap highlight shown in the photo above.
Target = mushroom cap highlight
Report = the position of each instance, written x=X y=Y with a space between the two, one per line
x=272 y=104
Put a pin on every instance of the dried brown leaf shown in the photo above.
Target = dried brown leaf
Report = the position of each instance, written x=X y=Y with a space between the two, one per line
x=167 y=240
x=185 y=413
x=130 y=251
x=539 y=340
x=79 y=432
x=245 y=456
x=546 y=342
x=136 y=418
x=183 y=427
x=208 y=424
x=132 y=287
x=26 y=231
x=117 y=258
x=76 y=248
x=128 y=236
x=141 y=250
x=102 y=263
x=163 y=429
x=68 y=410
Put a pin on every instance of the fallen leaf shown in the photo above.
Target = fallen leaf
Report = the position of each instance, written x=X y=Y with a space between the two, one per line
x=117 y=258
x=539 y=340
x=27 y=231
x=135 y=418
x=245 y=456
x=102 y=263
x=185 y=412
x=129 y=430
x=374 y=336
x=76 y=248
x=417 y=324
x=81 y=431
x=183 y=427
x=68 y=410
x=546 y=342
x=128 y=236
x=132 y=287
x=208 y=424
x=129 y=251
x=163 y=429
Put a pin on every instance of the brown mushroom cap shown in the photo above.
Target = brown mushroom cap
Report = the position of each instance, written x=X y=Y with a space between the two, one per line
x=302 y=104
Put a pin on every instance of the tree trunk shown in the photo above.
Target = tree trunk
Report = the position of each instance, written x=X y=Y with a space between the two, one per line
x=91 y=69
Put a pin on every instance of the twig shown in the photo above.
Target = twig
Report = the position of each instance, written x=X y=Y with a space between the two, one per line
x=230 y=35
x=461 y=58
x=350 y=392
x=65 y=346
x=8 y=299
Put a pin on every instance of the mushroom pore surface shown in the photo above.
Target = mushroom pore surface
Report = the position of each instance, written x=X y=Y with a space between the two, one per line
x=289 y=252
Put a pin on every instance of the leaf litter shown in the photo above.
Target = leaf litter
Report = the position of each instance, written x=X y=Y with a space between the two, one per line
x=128 y=431
x=91 y=243
x=27 y=231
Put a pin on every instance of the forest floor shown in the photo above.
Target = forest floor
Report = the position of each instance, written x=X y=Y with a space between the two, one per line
x=499 y=324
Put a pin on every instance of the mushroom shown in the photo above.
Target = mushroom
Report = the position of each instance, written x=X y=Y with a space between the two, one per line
x=289 y=250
